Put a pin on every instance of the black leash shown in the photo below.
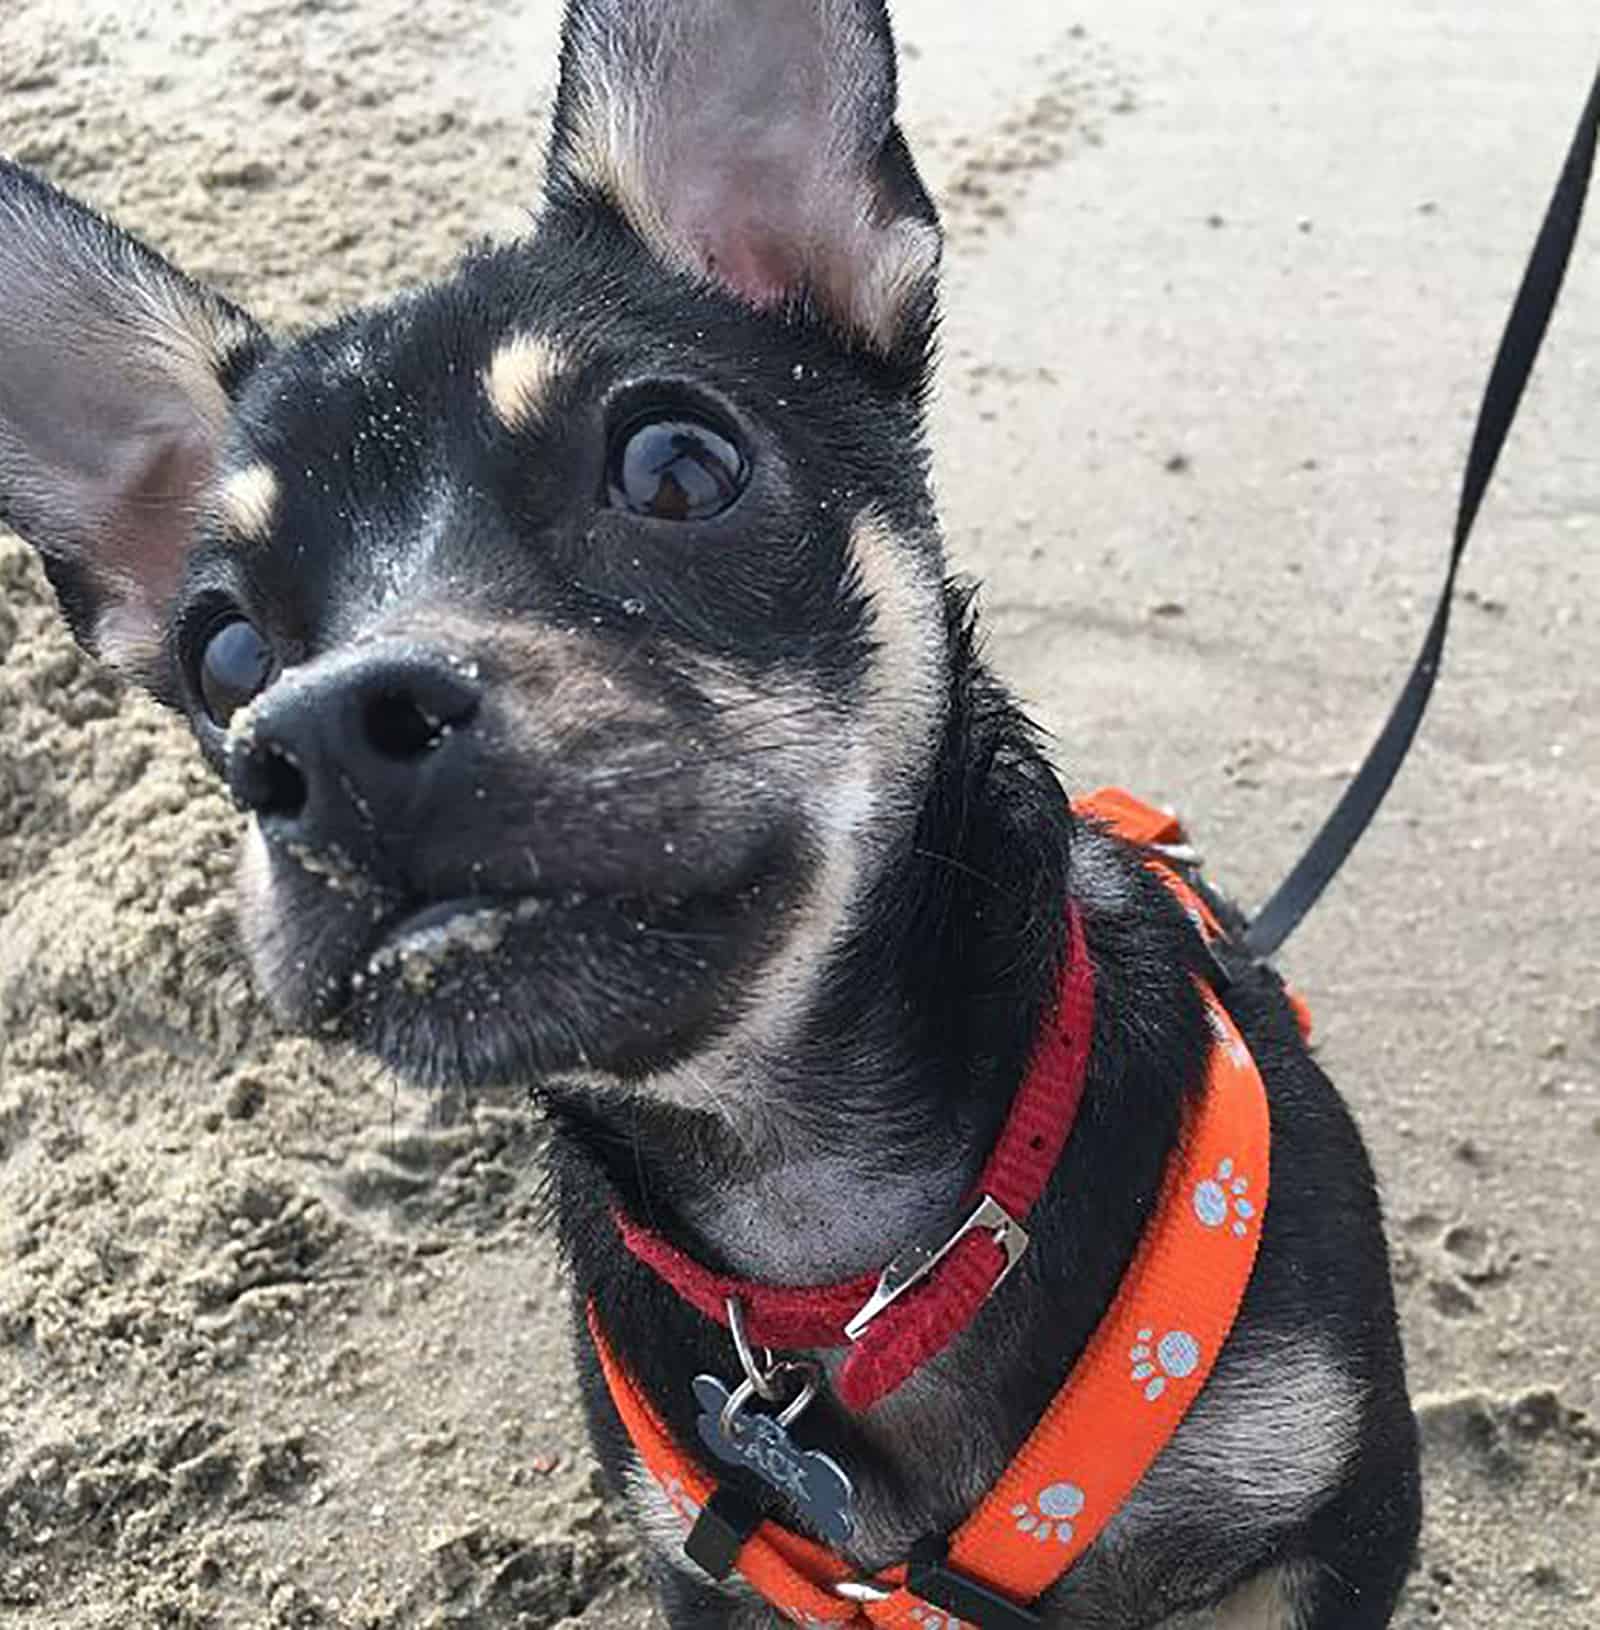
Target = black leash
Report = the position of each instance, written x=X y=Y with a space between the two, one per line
x=1519 y=349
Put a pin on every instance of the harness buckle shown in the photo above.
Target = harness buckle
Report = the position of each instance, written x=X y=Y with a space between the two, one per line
x=917 y=1260
x=930 y=1577
x=721 y=1531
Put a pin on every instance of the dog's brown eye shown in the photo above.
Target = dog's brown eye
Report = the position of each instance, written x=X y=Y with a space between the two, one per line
x=675 y=470
x=234 y=669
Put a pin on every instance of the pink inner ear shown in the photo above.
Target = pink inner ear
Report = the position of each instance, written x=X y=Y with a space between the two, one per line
x=147 y=503
x=742 y=247
x=744 y=160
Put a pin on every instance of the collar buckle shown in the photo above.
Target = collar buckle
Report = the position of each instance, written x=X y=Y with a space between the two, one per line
x=917 y=1260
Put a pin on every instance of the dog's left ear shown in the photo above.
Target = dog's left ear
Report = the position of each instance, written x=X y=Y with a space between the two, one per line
x=116 y=378
x=754 y=143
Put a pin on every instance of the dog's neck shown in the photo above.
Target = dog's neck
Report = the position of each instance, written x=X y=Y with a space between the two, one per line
x=893 y=1093
x=878 y=1106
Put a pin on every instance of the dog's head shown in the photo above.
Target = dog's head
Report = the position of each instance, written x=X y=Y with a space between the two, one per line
x=572 y=631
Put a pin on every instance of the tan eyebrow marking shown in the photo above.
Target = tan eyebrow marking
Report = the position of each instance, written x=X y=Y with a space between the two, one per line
x=249 y=502
x=520 y=378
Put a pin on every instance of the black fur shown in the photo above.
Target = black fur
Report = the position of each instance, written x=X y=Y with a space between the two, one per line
x=653 y=723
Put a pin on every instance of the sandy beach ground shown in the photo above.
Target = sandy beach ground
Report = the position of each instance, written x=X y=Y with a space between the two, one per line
x=281 y=1344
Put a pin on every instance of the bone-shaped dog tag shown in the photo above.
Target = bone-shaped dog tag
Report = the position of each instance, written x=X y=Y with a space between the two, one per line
x=813 y=1483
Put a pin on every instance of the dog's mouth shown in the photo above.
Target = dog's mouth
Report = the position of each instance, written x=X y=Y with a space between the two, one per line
x=419 y=944
x=485 y=989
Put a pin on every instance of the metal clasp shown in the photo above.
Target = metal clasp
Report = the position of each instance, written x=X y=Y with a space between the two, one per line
x=912 y=1265
x=862 y=1590
x=764 y=1378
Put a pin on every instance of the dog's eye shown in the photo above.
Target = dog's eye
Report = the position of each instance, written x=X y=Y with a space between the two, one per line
x=675 y=470
x=234 y=669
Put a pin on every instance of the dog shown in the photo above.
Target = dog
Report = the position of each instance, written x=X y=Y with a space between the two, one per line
x=576 y=635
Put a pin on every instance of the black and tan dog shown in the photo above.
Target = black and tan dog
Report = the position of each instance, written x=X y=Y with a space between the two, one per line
x=576 y=634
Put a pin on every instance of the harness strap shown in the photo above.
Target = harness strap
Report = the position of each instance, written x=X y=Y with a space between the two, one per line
x=1519 y=350
x=1161 y=835
x=1153 y=1351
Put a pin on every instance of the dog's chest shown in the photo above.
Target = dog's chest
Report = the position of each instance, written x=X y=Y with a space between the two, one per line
x=1275 y=1428
x=927 y=1453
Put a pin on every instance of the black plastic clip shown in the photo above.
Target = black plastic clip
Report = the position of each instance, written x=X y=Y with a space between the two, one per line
x=725 y=1524
x=929 y=1577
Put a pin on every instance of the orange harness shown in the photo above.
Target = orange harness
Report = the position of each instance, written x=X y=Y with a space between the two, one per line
x=1120 y=1406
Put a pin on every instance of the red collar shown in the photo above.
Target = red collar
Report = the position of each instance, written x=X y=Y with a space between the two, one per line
x=897 y=1320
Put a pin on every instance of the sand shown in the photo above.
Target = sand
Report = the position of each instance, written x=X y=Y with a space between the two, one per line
x=281 y=1343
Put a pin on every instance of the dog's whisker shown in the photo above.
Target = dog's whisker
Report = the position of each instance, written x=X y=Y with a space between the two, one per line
x=955 y=863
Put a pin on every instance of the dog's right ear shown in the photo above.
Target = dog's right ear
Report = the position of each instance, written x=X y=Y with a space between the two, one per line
x=116 y=382
x=753 y=145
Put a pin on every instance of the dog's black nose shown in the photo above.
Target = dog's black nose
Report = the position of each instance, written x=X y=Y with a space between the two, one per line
x=372 y=746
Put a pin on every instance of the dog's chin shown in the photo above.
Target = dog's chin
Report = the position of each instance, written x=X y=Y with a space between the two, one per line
x=483 y=992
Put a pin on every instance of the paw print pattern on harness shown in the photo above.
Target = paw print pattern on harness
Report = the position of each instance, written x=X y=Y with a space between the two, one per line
x=1222 y=1195
x=1052 y=1512
x=930 y=1618
x=1175 y=1356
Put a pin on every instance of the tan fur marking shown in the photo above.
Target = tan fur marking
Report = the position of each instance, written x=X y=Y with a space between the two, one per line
x=908 y=664
x=520 y=377
x=250 y=501
x=899 y=263
x=1271 y=1601
x=127 y=641
x=186 y=341
x=855 y=803
x=607 y=154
